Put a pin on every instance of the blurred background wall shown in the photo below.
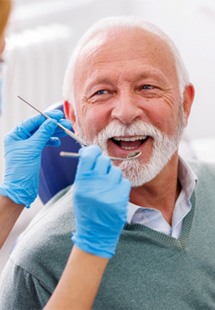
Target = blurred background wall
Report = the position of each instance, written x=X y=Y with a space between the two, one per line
x=42 y=34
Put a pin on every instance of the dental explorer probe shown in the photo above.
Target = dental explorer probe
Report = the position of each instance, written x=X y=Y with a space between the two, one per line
x=130 y=155
x=67 y=131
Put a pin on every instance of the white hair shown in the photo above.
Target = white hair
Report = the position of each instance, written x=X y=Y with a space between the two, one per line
x=120 y=23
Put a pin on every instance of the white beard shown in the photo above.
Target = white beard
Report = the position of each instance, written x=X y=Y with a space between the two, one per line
x=163 y=149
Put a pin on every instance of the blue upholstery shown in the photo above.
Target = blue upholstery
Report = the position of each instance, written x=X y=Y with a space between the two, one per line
x=57 y=172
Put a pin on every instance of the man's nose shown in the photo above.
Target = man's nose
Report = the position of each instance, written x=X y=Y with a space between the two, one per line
x=127 y=108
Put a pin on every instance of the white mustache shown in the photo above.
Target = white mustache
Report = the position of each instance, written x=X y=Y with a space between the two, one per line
x=116 y=129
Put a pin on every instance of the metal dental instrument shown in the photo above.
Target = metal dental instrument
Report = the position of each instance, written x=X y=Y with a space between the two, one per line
x=130 y=155
x=67 y=131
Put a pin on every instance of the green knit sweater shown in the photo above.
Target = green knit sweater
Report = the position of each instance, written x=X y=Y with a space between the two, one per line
x=155 y=271
x=149 y=271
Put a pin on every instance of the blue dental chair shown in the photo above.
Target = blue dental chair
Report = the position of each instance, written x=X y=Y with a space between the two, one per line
x=57 y=172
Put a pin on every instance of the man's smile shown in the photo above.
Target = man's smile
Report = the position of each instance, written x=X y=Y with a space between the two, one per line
x=121 y=145
x=129 y=143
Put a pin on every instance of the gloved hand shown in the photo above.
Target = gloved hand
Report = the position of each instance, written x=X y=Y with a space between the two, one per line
x=100 y=203
x=23 y=149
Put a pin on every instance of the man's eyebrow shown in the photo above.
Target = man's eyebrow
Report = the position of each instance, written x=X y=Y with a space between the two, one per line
x=103 y=80
x=151 y=73
x=99 y=81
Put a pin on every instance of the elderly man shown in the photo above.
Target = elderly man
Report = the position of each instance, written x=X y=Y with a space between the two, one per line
x=126 y=89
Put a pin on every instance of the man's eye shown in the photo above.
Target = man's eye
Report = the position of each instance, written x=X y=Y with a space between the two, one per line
x=147 y=87
x=101 y=92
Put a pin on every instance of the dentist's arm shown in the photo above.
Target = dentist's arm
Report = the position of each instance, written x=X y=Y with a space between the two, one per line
x=79 y=283
x=23 y=149
x=9 y=213
x=100 y=205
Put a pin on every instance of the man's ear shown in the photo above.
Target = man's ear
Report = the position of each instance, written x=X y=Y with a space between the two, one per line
x=189 y=94
x=69 y=112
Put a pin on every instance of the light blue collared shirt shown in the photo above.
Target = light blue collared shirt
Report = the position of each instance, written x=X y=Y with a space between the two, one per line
x=154 y=219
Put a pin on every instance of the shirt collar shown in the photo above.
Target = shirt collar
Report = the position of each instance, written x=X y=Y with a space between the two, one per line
x=188 y=180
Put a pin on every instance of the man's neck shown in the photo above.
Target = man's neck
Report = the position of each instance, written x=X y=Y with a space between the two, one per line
x=162 y=192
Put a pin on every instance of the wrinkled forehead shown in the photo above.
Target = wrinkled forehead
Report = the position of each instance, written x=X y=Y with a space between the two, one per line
x=115 y=42
x=118 y=44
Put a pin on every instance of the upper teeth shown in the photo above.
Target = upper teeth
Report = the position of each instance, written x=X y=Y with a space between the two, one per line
x=130 y=138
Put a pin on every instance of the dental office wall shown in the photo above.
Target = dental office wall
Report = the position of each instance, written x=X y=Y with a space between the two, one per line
x=191 y=24
x=59 y=24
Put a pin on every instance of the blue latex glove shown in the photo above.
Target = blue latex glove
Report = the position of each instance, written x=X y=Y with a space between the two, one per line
x=23 y=149
x=100 y=203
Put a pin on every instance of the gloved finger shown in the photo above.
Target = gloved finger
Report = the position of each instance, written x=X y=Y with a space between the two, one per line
x=27 y=128
x=56 y=114
x=34 y=123
x=54 y=141
x=66 y=123
x=125 y=188
x=115 y=175
x=44 y=133
x=18 y=133
x=88 y=159
x=102 y=165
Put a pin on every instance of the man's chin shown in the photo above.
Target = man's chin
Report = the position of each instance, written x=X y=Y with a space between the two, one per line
x=139 y=174
x=137 y=182
x=133 y=172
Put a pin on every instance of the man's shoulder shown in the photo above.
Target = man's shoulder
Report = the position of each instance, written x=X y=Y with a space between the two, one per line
x=46 y=243
x=39 y=257
x=203 y=169
x=205 y=194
